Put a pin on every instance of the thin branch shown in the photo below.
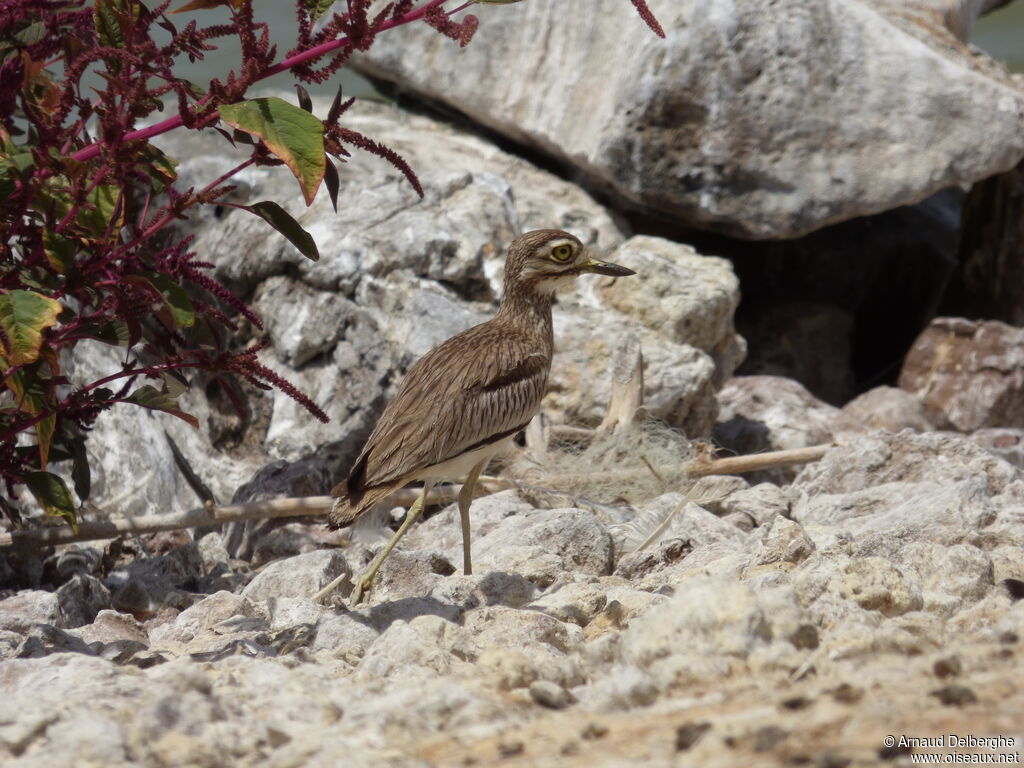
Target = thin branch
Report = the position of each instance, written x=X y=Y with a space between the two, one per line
x=319 y=505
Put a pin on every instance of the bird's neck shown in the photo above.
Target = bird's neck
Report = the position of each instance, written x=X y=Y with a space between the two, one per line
x=529 y=312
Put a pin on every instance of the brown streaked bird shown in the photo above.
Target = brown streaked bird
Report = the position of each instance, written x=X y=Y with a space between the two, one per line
x=463 y=401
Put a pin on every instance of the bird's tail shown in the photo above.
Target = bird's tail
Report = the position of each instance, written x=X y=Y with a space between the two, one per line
x=346 y=509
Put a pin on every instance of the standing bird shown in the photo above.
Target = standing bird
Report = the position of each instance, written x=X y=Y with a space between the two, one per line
x=463 y=401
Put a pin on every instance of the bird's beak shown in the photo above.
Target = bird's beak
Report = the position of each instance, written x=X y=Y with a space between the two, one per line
x=605 y=268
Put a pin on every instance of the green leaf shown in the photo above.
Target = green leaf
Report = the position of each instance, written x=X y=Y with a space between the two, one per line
x=31 y=34
x=114 y=332
x=44 y=437
x=60 y=252
x=283 y=222
x=80 y=473
x=97 y=219
x=317 y=8
x=53 y=496
x=24 y=315
x=150 y=397
x=109 y=18
x=177 y=301
x=294 y=135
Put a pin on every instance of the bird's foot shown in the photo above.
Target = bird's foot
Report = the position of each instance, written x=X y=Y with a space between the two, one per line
x=362 y=589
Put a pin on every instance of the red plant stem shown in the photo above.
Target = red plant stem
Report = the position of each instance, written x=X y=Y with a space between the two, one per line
x=168 y=217
x=91 y=151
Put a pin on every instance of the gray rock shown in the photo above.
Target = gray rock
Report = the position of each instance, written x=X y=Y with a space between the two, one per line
x=550 y=695
x=81 y=598
x=299 y=576
x=110 y=626
x=42 y=640
x=762 y=503
x=888 y=408
x=782 y=541
x=20 y=612
x=728 y=136
x=1006 y=443
x=907 y=457
x=543 y=544
x=707 y=625
x=768 y=413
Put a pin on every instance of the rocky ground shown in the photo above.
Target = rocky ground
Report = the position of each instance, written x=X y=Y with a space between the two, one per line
x=797 y=616
x=876 y=594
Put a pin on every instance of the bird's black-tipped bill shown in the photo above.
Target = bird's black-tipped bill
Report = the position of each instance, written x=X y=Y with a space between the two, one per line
x=607 y=268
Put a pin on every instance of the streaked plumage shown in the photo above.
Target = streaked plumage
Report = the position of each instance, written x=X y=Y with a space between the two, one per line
x=465 y=398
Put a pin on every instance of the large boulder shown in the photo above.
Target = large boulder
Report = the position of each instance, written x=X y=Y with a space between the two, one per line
x=762 y=119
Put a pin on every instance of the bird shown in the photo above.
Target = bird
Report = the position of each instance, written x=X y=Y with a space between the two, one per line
x=466 y=399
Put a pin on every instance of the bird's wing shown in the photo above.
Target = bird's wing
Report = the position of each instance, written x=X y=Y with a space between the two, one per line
x=465 y=393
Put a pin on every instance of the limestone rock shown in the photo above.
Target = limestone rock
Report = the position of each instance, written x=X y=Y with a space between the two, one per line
x=724 y=135
x=1006 y=443
x=544 y=544
x=888 y=408
x=768 y=413
x=299 y=576
x=969 y=374
x=21 y=611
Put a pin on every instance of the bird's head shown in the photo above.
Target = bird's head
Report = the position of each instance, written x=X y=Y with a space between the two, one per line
x=544 y=260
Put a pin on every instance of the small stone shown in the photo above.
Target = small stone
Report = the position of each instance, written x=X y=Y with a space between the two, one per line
x=594 y=731
x=847 y=694
x=511 y=748
x=955 y=695
x=949 y=666
x=767 y=738
x=689 y=734
x=796 y=703
x=570 y=748
x=550 y=695
x=120 y=651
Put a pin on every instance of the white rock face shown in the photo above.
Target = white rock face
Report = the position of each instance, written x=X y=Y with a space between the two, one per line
x=760 y=119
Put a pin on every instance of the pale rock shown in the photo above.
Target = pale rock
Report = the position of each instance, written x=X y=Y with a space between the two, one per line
x=679 y=379
x=782 y=541
x=908 y=457
x=201 y=616
x=888 y=408
x=542 y=544
x=302 y=322
x=951 y=578
x=761 y=503
x=345 y=636
x=770 y=413
x=21 y=611
x=426 y=645
x=721 y=135
x=110 y=626
x=876 y=585
x=299 y=576
x=684 y=296
x=286 y=612
x=1005 y=442
x=576 y=603
x=487 y=588
x=945 y=514
x=710 y=624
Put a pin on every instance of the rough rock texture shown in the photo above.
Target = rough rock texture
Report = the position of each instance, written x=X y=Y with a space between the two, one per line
x=770 y=413
x=888 y=408
x=878 y=594
x=721 y=124
x=969 y=374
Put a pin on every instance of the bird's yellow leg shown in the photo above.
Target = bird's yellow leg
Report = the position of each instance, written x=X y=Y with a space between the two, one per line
x=365 y=581
x=465 y=499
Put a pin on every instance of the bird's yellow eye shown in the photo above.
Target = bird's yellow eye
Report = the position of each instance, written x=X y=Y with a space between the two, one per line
x=561 y=253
